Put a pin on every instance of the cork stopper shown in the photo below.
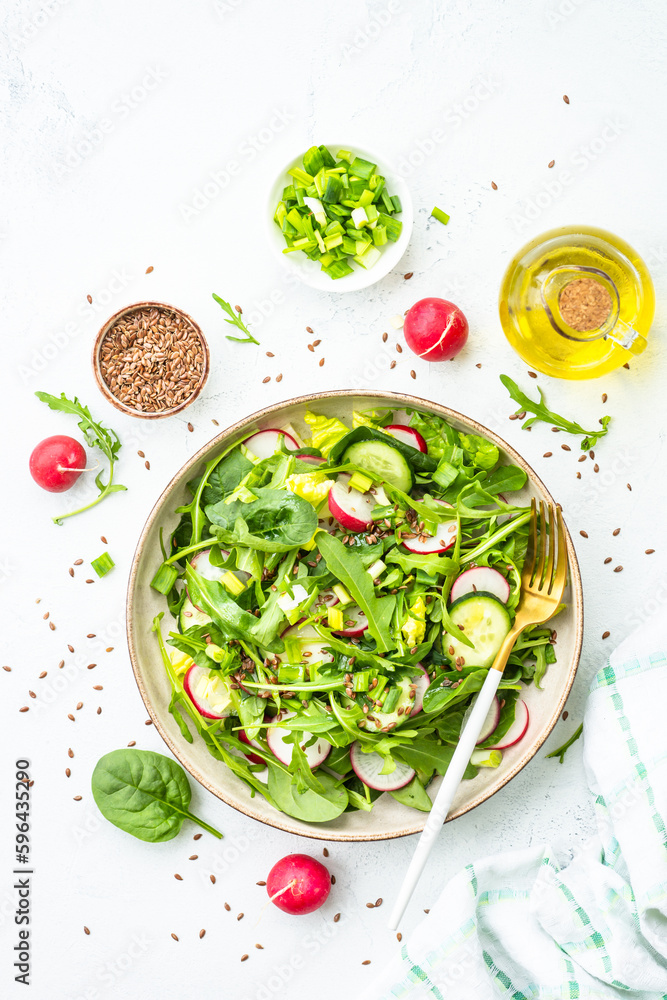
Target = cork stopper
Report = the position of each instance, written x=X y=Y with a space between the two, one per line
x=584 y=304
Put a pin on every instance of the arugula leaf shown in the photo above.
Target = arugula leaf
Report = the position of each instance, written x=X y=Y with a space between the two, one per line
x=97 y=436
x=144 y=793
x=345 y=567
x=277 y=521
x=561 y=751
x=430 y=562
x=214 y=599
x=235 y=320
x=540 y=411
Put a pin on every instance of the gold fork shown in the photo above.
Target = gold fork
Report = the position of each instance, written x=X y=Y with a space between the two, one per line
x=543 y=581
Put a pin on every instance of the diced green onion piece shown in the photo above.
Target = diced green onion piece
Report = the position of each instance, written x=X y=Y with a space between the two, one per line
x=366 y=197
x=232 y=583
x=342 y=594
x=313 y=160
x=486 y=758
x=327 y=259
x=301 y=176
x=369 y=257
x=394 y=227
x=289 y=194
x=299 y=244
x=333 y=190
x=391 y=701
x=345 y=154
x=333 y=241
x=361 y=246
x=327 y=158
x=362 y=168
x=103 y=564
x=376 y=569
x=164 y=579
x=396 y=201
x=361 y=680
x=385 y=198
x=380 y=236
x=320 y=241
x=441 y=216
x=339 y=269
x=336 y=619
x=360 y=481
x=359 y=217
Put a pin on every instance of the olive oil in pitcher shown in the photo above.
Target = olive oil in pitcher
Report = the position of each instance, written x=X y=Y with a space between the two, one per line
x=577 y=303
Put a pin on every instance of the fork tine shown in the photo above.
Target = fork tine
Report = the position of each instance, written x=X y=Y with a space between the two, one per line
x=531 y=551
x=551 y=539
x=560 y=576
x=543 y=543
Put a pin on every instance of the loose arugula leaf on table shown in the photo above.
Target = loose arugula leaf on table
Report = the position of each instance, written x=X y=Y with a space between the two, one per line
x=235 y=320
x=144 y=793
x=542 y=413
x=97 y=436
x=561 y=751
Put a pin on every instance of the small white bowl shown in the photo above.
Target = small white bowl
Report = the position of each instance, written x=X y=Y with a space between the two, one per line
x=309 y=271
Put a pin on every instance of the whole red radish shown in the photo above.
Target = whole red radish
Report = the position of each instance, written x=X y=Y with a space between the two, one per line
x=57 y=462
x=298 y=884
x=435 y=329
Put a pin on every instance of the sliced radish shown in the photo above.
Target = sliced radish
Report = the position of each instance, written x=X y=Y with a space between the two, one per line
x=252 y=757
x=326 y=599
x=240 y=677
x=311 y=645
x=442 y=540
x=421 y=682
x=518 y=729
x=481 y=578
x=356 y=622
x=316 y=753
x=408 y=435
x=351 y=508
x=311 y=459
x=208 y=692
x=490 y=723
x=367 y=767
x=265 y=443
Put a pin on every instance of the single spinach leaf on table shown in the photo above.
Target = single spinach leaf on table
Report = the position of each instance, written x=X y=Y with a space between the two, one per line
x=144 y=793
x=278 y=520
x=345 y=567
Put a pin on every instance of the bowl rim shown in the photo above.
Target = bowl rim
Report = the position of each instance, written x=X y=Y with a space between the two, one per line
x=103 y=387
x=405 y=400
x=374 y=274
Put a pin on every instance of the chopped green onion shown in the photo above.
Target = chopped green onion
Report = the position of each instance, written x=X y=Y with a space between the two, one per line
x=103 y=564
x=441 y=216
x=362 y=168
x=164 y=579
x=342 y=594
x=336 y=619
x=360 y=481
x=232 y=583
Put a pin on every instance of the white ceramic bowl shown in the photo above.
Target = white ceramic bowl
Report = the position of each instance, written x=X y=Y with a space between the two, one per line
x=388 y=818
x=309 y=271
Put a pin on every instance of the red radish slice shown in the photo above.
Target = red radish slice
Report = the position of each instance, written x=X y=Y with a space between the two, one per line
x=311 y=459
x=311 y=645
x=252 y=757
x=421 y=682
x=356 y=622
x=367 y=767
x=351 y=508
x=257 y=692
x=408 y=435
x=208 y=692
x=443 y=539
x=316 y=753
x=490 y=723
x=518 y=729
x=480 y=578
x=326 y=599
x=265 y=443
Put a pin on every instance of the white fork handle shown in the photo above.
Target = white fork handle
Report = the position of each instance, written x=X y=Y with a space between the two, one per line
x=446 y=793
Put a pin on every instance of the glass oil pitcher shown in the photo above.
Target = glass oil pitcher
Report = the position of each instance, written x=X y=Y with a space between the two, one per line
x=577 y=302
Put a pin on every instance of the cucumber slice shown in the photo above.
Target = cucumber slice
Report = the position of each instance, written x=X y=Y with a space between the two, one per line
x=485 y=621
x=382 y=461
x=190 y=615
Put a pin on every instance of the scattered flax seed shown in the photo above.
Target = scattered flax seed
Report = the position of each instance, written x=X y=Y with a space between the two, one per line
x=132 y=743
x=90 y=299
x=393 y=364
x=607 y=560
x=70 y=753
x=68 y=772
x=366 y=961
x=584 y=534
x=190 y=428
x=89 y=581
x=244 y=958
x=605 y=635
x=564 y=716
x=385 y=337
x=605 y=397
x=270 y=354
x=547 y=454
x=408 y=275
x=148 y=722
x=333 y=879
x=566 y=447
x=175 y=936
x=399 y=936
x=413 y=374
x=24 y=709
x=147 y=465
x=399 y=348
x=494 y=185
x=71 y=571
x=42 y=675
x=202 y=933
x=370 y=906
x=566 y=98
x=311 y=348
x=626 y=365
x=149 y=270
x=103 y=540
x=213 y=880
x=378 y=901
x=239 y=916
x=179 y=878
x=427 y=911
x=320 y=362
x=71 y=648
x=77 y=798
x=260 y=947
x=265 y=380
x=86 y=931
x=79 y=706
x=193 y=857
x=214 y=421
x=591 y=453
x=91 y=635
x=109 y=649
x=478 y=365
x=261 y=882
x=325 y=852
x=99 y=710
x=32 y=694
x=532 y=374
x=582 y=458
x=596 y=467
x=46 y=615
x=309 y=329
x=91 y=666
x=616 y=531
x=8 y=669
x=198 y=836
x=618 y=569
x=279 y=377
x=69 y=716
x=316 y=343
x=648 y=552
x=336 y=918
x=629 y=487
x=551 y=163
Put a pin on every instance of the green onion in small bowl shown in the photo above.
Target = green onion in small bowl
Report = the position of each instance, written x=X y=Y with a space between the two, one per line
x=339 y=217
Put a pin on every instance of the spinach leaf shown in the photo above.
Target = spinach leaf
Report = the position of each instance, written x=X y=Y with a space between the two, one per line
x=418 y=461
x=413 y=794
x=144 y=793
x=345 y=567
x=225 y=477
x=276 y=521
x=310 y=806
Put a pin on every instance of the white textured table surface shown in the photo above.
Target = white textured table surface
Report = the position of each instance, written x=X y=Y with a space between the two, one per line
x=117 y=118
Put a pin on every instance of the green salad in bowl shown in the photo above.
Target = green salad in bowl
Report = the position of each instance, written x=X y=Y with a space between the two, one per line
x=336 y=599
